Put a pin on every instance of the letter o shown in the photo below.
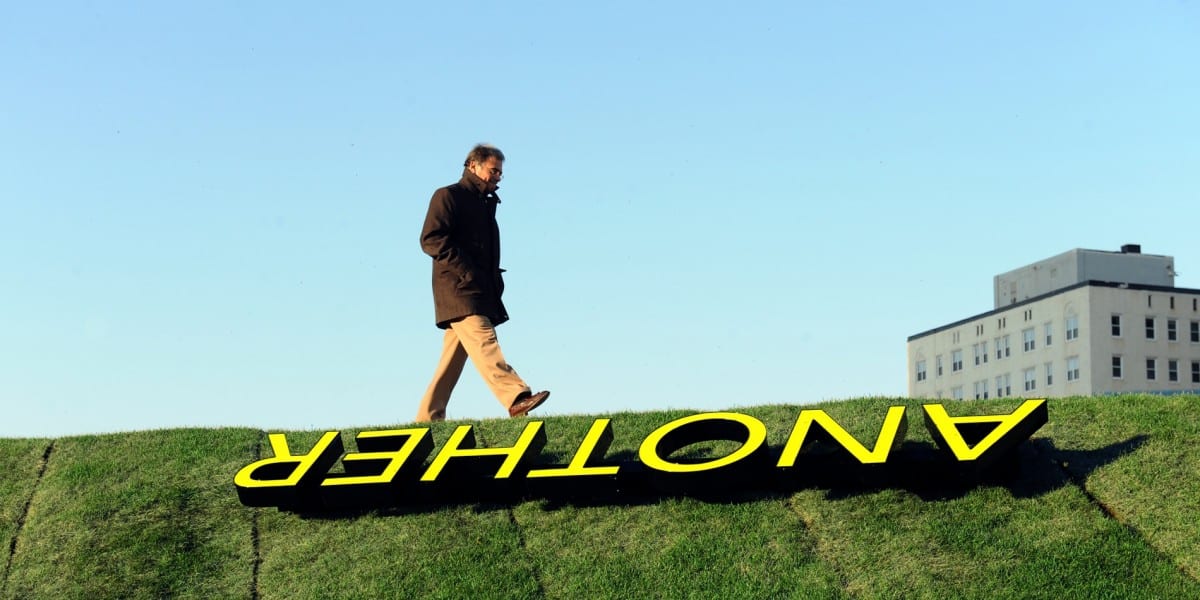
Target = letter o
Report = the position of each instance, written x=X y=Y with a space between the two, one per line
x=698 y=428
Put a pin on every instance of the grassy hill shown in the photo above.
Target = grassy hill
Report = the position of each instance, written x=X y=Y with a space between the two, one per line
x=1106 y=505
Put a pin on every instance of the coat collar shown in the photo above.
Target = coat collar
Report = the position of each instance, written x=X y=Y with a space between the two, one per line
x=472 y=182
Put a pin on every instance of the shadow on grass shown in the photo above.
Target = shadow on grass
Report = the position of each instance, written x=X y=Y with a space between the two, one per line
x=1033 y=469
x=1030 y=470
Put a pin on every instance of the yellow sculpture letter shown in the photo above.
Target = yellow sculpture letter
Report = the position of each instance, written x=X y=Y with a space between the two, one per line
x=462 y=445
x=707 y=426
x=895 y=425
x=274 y=481
x=594 y=443
x=1006 y=432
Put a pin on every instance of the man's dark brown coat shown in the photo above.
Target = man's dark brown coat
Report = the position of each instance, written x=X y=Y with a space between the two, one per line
x=462 y=236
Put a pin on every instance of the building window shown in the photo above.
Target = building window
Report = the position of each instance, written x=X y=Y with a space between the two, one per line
x=1027 y=338
x=981 y=353
x=1149 y=328
x=957 y=392
x=956 y=361
x=1072 y=327
x=1049 y=374
x=1049 y=334
x=1116 y=325
x=1030 y=380
x=1172 y=334
x=1073 y=368
x=1172 y=370
x=1172 y=302
x=1196 y=371
x=980 y=390
x=920 y=370
x=1195 y=332
x=1149 y=301
x=1116 y=366
x=1002 y=347
x=999 y=386
x=1151 y=369
x=938 y=362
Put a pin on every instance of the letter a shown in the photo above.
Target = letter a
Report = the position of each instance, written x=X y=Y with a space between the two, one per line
x=1006 y=432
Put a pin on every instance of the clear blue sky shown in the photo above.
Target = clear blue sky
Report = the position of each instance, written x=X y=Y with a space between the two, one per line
x=209 y=214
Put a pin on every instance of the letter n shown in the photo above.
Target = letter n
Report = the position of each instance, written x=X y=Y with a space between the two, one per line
x=891 y=434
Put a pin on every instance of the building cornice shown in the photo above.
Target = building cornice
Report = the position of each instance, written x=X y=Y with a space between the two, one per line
x=1089 y=283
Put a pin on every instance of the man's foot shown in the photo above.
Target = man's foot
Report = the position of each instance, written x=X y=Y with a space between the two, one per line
x=527 y=402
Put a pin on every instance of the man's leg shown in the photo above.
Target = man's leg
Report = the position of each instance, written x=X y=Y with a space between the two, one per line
x=450 y=366
x=478 y=337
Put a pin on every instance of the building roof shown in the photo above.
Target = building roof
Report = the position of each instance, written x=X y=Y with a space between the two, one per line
x=1091 y=282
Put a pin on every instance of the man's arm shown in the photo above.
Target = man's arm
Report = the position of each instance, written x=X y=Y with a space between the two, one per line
x=437 y=238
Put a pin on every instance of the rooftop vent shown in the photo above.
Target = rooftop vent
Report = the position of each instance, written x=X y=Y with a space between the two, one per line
x=1131 y=249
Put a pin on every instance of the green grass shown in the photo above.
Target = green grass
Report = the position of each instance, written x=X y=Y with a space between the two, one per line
x=1106 y=505
x=138 y=515
x=20 y=463
x=459 y=552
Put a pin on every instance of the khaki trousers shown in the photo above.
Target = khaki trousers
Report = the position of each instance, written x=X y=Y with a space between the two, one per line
x=473 y=337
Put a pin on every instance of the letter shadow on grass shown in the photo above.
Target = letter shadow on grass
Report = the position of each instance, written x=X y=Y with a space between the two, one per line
x=1032 y=469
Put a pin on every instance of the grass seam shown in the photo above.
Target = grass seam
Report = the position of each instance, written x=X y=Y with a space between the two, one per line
x=255 y=542
x=537 y=575
x=790 y=504
x=512 y=519
x=20 y=524
x=1109 y=513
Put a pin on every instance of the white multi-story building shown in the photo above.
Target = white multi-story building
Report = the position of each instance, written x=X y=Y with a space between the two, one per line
x=1085 y=322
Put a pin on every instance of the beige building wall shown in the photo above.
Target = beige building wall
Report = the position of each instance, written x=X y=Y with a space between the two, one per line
x=1135 y=346
x=1090 y=351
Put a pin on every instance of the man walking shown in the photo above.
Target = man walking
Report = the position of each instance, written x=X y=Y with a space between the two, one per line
x=462 y=236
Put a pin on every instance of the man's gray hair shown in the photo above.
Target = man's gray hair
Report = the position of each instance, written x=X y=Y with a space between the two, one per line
x=481 y=152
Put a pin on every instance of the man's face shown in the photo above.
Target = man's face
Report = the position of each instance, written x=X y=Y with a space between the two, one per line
x=490 y=170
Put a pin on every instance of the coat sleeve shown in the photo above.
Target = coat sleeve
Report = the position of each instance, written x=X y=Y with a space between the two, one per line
x=438 y=240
